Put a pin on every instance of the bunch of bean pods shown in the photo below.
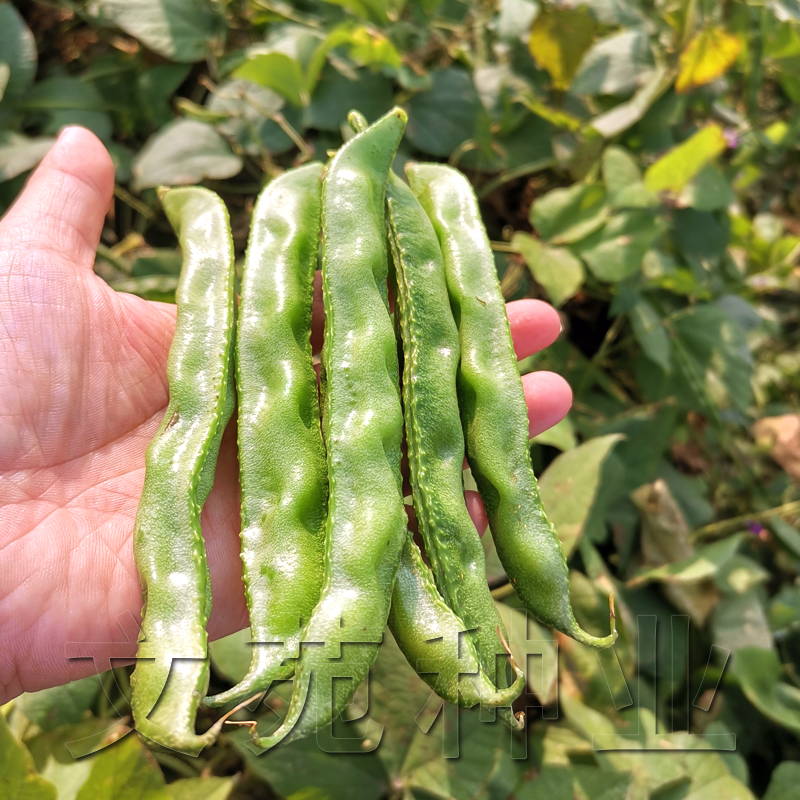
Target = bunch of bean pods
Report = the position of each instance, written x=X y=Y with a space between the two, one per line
x=327 y=558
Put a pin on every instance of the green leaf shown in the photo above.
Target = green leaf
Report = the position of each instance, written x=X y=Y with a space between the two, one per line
x=557 y=782
x=617 y=250
x=784 y=781
x=758 y=672
x=184 y=152
x=230 y=656
x=662 y=270
x=444 y=117
x=617 y=64
x=527 y=148
x=61 y=705
x=250 y=111
x=124 y=771
x=122 y=159
x=675 y=169
x=66 y=770
x=18 y=781
x=620 y=170
x=5 y=74
x=337 y=95
x=651 y=334
x=366 y=46
x=740 y=575
x=767 y=227
x=278 y=72
x=307 y=46
x=707 y=562
x=560 y=436
x=534 y=652
x=714 y=357
x=559 y=38
x=375 y=10
x=623 y=180
x=788 y=536
x=727 y=786
x=157 y=262
x=201 y=789
x=180 y=30
x=567 y=215
x=739 y=622
x=555 y=116
x=18 y=50
x=784 y=610
x=67 y=101
x=708 y=191
x=515 y=18
x=483 y=768
x=614 y=12
x=700 y=235
x=303 y=770
x=569 y=485
x=623 y=116
x=18 y=153
x=396 y=695
x=156 y=87
x=554 y=268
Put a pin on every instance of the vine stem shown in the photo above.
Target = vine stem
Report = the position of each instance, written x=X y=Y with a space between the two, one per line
x=718 y=528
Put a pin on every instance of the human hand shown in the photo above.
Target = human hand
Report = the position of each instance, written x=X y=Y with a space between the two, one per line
x=82 y=391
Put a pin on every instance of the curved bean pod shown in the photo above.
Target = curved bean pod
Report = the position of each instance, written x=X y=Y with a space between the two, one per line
x=493 y=411
x=431 y=636
x=363 y=424
x=433 y=433
x=282 y=467
x=171 y=676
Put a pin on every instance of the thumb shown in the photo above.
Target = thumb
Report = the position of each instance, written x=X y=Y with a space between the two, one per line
x=63 y=205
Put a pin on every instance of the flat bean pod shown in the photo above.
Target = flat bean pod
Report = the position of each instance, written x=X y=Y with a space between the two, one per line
x=282 y=467
x=171 y=676
x=492 y=402
x=363 y=426
x=434 y=439
x=433 y=640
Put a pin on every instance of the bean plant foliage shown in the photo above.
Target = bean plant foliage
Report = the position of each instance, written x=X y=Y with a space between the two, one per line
x=637 y=164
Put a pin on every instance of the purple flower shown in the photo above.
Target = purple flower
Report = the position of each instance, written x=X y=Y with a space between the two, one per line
x=756 y=528
x=732 y=138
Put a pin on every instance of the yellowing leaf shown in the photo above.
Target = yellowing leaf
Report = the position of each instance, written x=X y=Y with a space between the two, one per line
x=707 y=57
x=368 y=46
x=559 y=38
x=675 y=169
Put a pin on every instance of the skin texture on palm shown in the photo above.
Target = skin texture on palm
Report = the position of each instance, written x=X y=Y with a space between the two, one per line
x=82 y=391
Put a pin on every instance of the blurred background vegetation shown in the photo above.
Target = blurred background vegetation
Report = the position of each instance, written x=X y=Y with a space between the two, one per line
x=637 y=163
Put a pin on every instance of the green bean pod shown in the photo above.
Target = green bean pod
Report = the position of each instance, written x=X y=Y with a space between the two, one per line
x=171 y=675
x=434 y=439
x=437 y=643
x=282 y=466
x=363 y=425
x=492 y=403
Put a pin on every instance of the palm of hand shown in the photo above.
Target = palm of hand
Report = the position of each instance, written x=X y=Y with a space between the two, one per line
x=82 y=390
